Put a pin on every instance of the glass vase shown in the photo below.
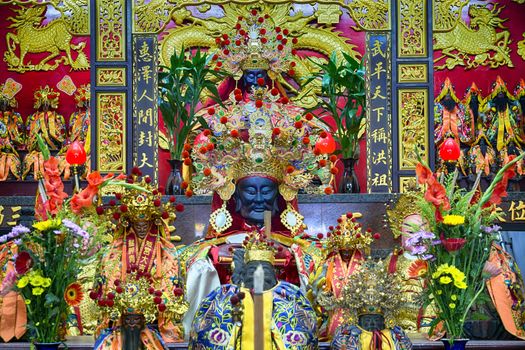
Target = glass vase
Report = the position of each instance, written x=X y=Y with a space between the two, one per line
x=458 y=344
x=174 y=183
x=348 y=182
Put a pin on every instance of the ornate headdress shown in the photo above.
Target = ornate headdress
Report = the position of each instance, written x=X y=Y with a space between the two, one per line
x=446 y=88
x=469 y=93
x=406 y=205
x=83 y=95
x=520 y=89
x=6 y=100
x=348 y=234
x=140 y=201
x=497 y=87
x=255 y=43
x=258 y=248
x=370 y=289
x=46 y=95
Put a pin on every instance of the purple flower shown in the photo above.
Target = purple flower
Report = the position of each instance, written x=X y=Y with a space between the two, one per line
x=77 y=230
x=418 y=249
x=490 y=229
x=17 y=241
x=427 y=256
x=219 y=337
x=17 y=231
x=3 y=239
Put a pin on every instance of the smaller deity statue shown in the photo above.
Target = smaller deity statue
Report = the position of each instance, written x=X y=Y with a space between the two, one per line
x=405 y=222
x=11 y=138
x=450 y=117
x=481 y=156
x=519 y=94
x=258 y=311
x=79 y=127
x=47 y=123
x=138 y=283
x=346 y=245
x=372 y=298
x=501 y=111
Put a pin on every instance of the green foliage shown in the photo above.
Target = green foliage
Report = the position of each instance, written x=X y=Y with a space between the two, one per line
x=343 y=89
x=180 y=87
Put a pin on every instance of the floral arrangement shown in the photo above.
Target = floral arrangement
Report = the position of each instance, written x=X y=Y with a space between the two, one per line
x=455 y=242
x=50 y=255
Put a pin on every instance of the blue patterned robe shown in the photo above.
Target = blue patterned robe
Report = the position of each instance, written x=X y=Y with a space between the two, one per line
x=348 y=337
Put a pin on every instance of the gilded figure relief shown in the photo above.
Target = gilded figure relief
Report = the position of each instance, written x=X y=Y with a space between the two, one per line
x=30 y=37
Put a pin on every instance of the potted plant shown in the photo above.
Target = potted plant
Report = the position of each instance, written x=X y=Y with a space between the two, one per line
x=456 y=241
x=181 y=86
x=344 y=100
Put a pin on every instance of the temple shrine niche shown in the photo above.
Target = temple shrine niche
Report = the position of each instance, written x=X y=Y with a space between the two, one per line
x=263 y=175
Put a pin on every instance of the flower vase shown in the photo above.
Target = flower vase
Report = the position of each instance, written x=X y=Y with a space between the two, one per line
x=47 y=346
x=174 y=183
x=348 y=182
x=458 y=344
x=132 y=326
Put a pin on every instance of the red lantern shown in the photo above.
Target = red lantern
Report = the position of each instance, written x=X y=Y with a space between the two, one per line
x=449 y=150
x=76 y=154
x=326 y=144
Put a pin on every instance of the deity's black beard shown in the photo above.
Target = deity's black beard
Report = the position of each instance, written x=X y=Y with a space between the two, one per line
x=474 y=106
x=449 y=104
x=501 y=103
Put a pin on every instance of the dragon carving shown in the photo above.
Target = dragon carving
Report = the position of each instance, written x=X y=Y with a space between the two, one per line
x=30 y=38
x=472 y=46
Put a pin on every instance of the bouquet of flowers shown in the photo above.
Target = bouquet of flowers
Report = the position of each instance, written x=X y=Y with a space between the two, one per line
x=51 y=254
x=455 y=241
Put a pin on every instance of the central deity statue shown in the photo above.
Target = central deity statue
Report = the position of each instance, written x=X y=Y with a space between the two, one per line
x=257 y=153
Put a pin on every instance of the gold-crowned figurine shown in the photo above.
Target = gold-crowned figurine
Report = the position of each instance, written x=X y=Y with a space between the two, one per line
x=11 y=137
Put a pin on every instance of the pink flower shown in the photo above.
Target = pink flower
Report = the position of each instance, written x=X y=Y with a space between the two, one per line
x=8 y=283
x=452 y=244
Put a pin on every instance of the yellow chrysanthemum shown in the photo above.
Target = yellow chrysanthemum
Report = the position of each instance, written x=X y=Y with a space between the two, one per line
x=453 y=220
x=22 y=282
x=48 y=224
x=47 y=282
x=37 y=281
x=38 y=290
x=460 y=284
x=27 y=301
x=454 y=297
x=452 y=305
x=445 y=280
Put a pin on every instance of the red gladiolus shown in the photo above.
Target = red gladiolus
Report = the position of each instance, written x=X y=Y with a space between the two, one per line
x=23 y=263
x=424 y=174
x=452 y=244
x=436 y=194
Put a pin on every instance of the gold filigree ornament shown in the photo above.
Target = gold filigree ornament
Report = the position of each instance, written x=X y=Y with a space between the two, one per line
x=31 y=38
x=258 y=247
x=292 y=220
x=477 y=44
x=521 y=47
x=371 y=289
x=221 y=219
x=406 y=205
x=348 y=234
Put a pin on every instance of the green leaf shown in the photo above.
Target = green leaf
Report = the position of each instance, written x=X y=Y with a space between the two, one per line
x=43 y=147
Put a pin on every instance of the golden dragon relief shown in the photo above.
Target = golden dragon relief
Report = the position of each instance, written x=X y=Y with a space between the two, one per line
x=196 y=32
x=30 y=38
x=479 y=44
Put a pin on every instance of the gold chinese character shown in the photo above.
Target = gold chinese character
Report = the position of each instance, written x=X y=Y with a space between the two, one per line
x=379 y=180
x=379 y=135
x=1 y=214
x=377 y=94
x=145 y=95
x=378 y=69
x=379 y=111
x=144 y=53
x=517 y=212
x=14 y=216
x=144 y=161
x=379 y=157
x=146 y=139
x=145 y=73
x=376 y=49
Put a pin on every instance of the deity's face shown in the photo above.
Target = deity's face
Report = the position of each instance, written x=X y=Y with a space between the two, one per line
x=254 y=195
x=141 y=227
x=270 y=280
x=448 y=102
x=346 y=254
x=250 y=76
x=411 y=224
x=371 y=322
x=501 y=101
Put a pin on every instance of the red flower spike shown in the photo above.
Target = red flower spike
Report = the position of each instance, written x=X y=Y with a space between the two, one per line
x=258 y=103
x=211 y=111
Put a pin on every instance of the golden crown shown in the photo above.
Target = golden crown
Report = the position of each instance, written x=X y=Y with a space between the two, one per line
x=371 y=289
x=83 y=95
x=259 y=137
x=46 y=96
x=258 y=248
x=140 y=201
x=348 y=234
x=407 y=204
x=255 y=43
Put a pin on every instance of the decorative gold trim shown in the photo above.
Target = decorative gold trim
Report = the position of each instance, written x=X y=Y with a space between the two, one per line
x=413 y=127
x=227 y=219
x=299 y=219
x=412 y=28
x=111 y=76
x=412 y=73
x=111 y=24
x=111 y=131
x=407 y=183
